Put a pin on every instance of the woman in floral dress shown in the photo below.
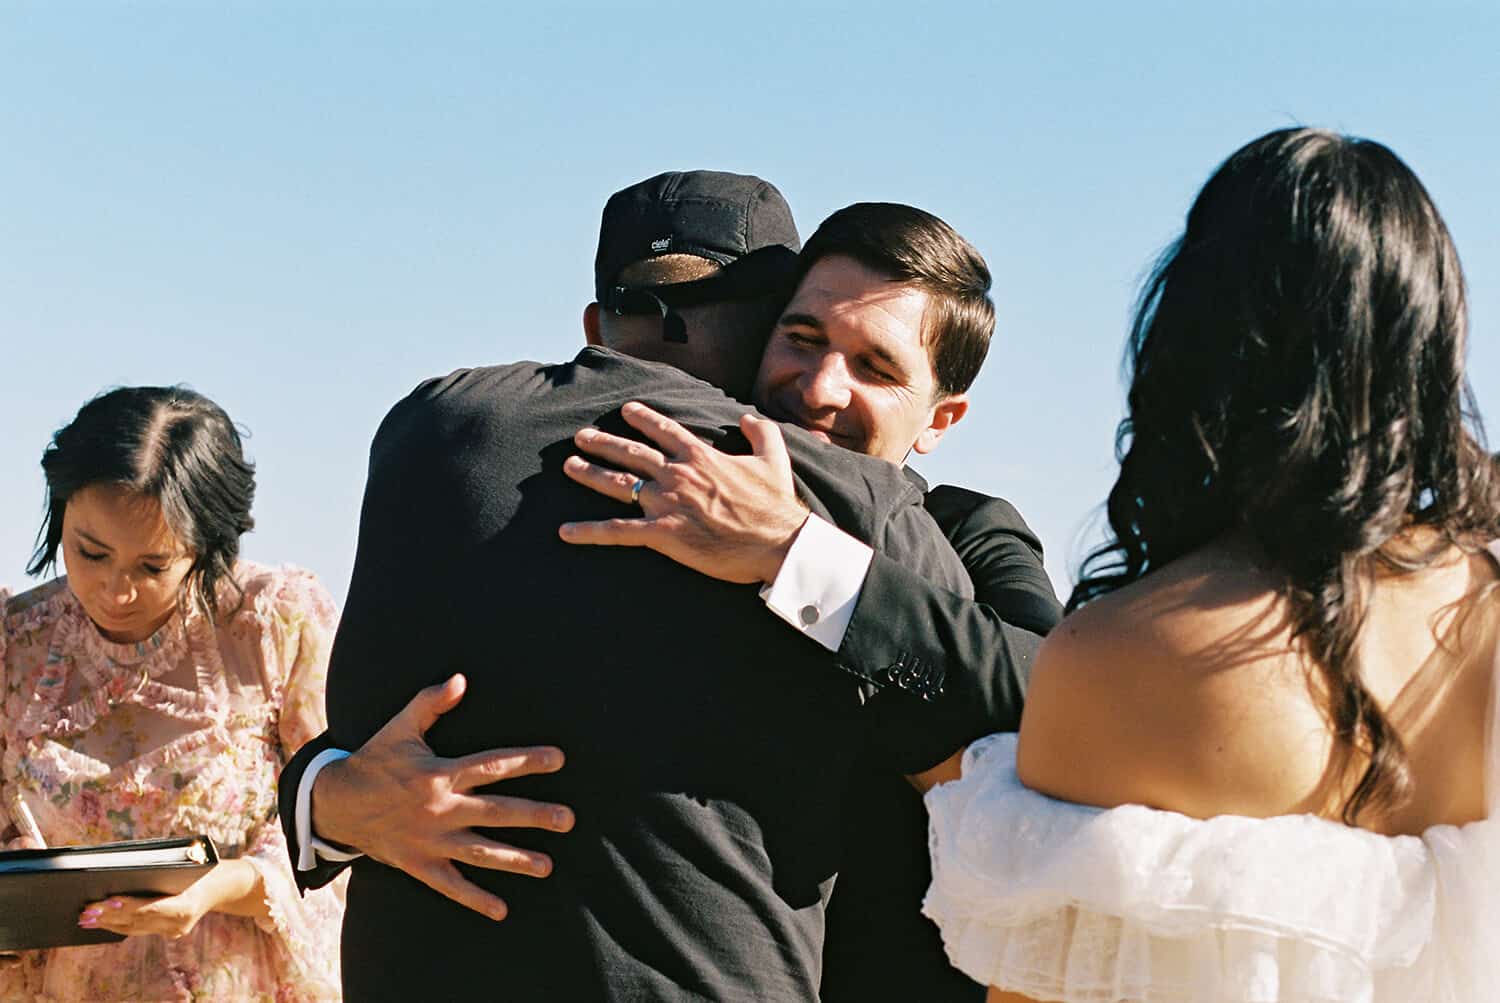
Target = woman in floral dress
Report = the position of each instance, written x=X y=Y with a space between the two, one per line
x=156 y=691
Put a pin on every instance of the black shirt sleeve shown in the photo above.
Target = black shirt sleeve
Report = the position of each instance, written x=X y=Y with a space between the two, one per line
x=287 y=784
x=981 y=649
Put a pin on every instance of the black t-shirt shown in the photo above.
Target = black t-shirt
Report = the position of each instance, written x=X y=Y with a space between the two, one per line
x=709 y=747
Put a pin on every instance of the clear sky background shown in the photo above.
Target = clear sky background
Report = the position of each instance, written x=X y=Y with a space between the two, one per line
x=301 y=210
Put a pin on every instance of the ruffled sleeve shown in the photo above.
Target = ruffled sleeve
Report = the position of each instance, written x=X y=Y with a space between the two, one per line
x=298 y=620
x=1059 y=901
x=15 y=980
x=305 y=619
x=10 y=712
x=8 y=830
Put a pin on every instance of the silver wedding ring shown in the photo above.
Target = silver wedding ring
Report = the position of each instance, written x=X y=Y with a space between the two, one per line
x=635 y=491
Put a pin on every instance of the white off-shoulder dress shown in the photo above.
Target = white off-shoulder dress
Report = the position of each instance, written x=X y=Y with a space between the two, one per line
x=1061 y=901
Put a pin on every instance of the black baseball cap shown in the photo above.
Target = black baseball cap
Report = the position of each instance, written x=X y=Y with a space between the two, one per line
x=726 y=218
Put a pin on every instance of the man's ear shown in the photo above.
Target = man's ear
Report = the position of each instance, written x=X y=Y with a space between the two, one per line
x=947 y=413
x=591 y=324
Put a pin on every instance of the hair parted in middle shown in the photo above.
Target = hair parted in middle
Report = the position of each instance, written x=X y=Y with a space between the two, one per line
x=171 y=444
x=914 y=247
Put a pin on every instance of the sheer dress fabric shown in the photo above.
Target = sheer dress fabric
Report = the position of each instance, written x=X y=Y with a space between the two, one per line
x=1060 y=901
x=182 y=733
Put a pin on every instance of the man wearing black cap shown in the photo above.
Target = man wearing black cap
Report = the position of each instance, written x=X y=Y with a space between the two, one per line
x=702 y=239
x=707 y=745
x=876 y=940
x=876 y=349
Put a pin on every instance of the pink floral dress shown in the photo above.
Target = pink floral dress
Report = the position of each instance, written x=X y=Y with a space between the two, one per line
x=182 y=733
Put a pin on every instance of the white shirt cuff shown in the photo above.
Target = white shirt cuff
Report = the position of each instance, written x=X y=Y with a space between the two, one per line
x=820 y=582
x=309 y=847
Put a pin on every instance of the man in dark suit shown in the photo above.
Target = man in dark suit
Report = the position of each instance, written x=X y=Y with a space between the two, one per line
x=858 y=378
x=886 y=572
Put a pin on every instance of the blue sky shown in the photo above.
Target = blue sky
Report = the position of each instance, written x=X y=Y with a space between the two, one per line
x=303 y=209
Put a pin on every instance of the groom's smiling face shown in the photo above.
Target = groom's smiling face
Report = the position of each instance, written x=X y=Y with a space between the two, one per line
x=847 y=361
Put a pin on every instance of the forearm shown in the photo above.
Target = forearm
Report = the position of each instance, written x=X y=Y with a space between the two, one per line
x=314 y=861
x=913 y=639
x=896 y=629
x=334 y=803
x=903 y=625
x=234 y=887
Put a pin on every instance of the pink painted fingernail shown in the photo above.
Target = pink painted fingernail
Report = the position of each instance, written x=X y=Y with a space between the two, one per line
x=116 y=904
x=89 y=922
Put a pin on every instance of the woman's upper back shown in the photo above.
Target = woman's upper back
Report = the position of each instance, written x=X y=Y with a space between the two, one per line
x=1237 y=890
x=1185 y=691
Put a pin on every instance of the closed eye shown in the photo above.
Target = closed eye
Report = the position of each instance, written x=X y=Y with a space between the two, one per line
x=89 y=555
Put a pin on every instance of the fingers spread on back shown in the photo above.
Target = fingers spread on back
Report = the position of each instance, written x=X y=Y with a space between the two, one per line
x=611 y=483
x=667 y=433
x=446 y=880
x=496 y=811
x=765 y=438
x=480 y=852
x=637 y=457
x=479 y=768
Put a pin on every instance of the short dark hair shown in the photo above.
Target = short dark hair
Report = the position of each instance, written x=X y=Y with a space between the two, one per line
x=916 y=248
x=171 y=444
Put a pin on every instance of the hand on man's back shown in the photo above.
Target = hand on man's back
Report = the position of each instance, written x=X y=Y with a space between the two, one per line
x=729 y=517
x=398 y=802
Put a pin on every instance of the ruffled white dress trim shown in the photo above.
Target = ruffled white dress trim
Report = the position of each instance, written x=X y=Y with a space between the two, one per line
x=1061 y=901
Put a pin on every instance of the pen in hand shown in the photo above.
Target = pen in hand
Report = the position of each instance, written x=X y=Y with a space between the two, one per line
x=31 y=833
x=26 y=822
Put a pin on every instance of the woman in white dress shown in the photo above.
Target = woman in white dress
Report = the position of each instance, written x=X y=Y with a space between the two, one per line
x=1257 y=760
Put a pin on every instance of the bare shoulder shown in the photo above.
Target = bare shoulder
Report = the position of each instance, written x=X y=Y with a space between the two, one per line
x=1181 y=691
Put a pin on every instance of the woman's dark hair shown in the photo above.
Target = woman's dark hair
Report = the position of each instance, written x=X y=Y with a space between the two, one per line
x=1297 y=363
x=167 y=443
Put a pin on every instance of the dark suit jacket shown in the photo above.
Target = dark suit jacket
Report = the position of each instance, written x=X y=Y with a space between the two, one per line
x=708 y=746
x=878 y=944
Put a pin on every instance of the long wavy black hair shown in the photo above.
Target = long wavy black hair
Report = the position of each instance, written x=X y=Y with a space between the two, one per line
x=167 y=443
x=1297 y=375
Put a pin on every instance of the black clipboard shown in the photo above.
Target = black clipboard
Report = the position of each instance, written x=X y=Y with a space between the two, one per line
x=43 y=891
